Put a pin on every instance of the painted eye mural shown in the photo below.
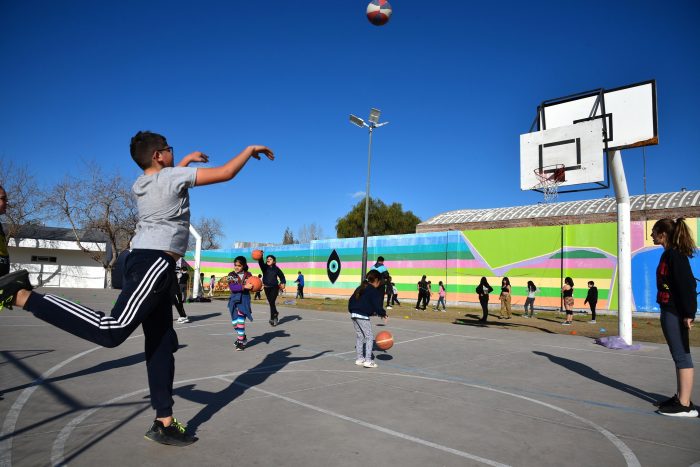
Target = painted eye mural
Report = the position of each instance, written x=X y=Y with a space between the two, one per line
x=333 y=267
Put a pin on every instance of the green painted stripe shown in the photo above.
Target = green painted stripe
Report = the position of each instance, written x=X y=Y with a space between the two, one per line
x=594 y=273
x=578 y=254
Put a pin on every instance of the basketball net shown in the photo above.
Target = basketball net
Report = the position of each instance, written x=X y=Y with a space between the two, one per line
x=549 y=181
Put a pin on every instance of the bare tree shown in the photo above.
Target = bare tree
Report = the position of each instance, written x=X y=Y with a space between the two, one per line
x=288 y=237
x=310 y=232
x=211 y=231
x=24 y=195
x=96 y=203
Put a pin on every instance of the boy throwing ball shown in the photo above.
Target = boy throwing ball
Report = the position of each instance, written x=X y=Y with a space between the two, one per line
x=160 y=241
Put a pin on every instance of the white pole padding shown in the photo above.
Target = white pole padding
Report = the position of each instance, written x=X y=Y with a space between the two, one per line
x=624 y=256
x=197 y=257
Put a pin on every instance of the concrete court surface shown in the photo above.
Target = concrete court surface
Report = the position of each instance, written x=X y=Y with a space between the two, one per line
x=444 y=395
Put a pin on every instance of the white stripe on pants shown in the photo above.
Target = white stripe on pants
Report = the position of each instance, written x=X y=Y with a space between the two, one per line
x=364 y=339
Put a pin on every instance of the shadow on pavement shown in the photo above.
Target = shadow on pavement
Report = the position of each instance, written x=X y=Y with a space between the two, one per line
x=593 y=374
x=266 y=338
x=496 y=323
x=215 y=401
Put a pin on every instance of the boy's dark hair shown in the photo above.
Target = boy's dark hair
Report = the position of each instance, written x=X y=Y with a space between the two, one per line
x=591 y=283
x=242 y=260
x=273 y=257
x=143 y=145
x=380 y=259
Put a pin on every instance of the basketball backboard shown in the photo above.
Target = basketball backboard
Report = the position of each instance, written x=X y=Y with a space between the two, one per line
x=579 y=148
x=625 y=116
x=630 y=113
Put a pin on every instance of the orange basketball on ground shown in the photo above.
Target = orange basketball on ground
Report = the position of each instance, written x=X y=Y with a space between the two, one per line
x=257 y=283
x=257 y=254
x=384 y=340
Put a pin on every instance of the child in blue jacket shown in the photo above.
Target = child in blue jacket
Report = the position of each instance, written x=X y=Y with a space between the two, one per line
x=239 y=302
x=366 y=301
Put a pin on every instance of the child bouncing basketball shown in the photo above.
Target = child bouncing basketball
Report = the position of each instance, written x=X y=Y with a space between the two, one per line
x=366 y=301
x=239 y=302
x=160 y=241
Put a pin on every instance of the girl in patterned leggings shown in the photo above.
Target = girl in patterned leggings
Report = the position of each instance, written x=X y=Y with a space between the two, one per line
x=239 y=302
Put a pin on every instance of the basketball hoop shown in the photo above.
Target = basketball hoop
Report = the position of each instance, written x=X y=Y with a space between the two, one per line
x=549 y=178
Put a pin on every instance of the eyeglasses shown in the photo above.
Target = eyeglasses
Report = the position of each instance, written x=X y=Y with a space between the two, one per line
x=168 y=148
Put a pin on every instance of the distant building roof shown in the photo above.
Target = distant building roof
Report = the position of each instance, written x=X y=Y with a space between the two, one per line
x=653 y=206
x=41 y=232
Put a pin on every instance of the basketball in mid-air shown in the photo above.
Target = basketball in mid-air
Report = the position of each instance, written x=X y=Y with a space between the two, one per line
x=384 y=340
x=256 y=282
x=257 y=254
x=379 y=12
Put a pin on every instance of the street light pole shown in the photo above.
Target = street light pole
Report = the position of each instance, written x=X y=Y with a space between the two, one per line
x=371 y=125
x=364 y=239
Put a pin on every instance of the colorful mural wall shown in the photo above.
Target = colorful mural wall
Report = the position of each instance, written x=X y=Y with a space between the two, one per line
x=544 y=255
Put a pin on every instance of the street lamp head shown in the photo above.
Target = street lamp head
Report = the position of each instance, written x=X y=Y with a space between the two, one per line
x=374 y=115
x=357 y=121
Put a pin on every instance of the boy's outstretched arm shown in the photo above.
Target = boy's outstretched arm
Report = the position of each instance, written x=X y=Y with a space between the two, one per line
x=224 y=173
x=196 y=156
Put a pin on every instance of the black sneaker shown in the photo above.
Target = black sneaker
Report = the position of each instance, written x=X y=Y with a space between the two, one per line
x=10 y=284
x=676 y=409
x=240 y=345
x=173 y=435
x=669 y=401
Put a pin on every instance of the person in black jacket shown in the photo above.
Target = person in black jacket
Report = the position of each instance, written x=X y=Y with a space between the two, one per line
x=366 y=301
x=4 y=255
x=483 y=290
x=272 y=287
x=678 y=301
x=592 y=299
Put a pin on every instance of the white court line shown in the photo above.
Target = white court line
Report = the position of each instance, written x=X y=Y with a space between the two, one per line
x=577 y=349
x=22 y=325
x=12 y=416
x=372 y=426
x=10 y=422
x=57 y=452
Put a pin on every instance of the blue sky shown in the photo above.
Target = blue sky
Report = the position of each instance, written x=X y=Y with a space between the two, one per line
x=458 y=81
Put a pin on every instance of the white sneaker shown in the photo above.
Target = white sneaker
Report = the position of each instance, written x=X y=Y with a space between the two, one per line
x=359 y=362
x=183 y=320
x=389 y=308
x=370 y=364
x=592 y=321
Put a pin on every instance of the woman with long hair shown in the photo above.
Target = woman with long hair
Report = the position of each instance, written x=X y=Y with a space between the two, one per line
x=483 y=290
x=505 y=299
x=567 y=293
x=678 y=301
x=530 y=300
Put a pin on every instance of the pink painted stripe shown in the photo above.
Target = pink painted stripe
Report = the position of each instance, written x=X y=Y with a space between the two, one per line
x=214 y=264
x=423 y=263
x=637 y=229
x=574 y=263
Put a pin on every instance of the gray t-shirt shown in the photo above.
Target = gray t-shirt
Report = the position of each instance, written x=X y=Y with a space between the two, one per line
x=164 y=209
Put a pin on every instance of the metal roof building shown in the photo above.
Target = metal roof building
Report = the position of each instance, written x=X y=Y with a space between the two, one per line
x=653 y=206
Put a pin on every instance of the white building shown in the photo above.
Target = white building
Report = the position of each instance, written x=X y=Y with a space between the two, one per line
x=54 y=259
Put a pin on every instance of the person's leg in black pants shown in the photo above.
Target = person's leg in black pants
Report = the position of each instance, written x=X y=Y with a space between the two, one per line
x=271 y=294
x=484 y=300
x=420 y=299
x=301 y=292
x=160 y=345
x=592 y=305
x=177 y=300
